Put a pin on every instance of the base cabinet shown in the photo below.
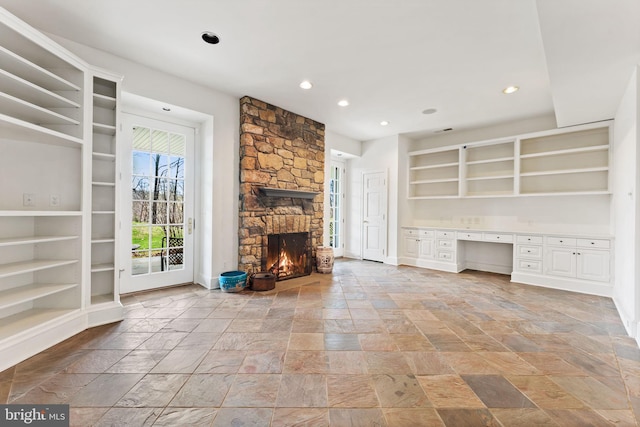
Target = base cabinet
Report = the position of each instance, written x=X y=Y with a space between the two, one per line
x=528 y=254
x=572 y=263
x=419 y=244
x=430 y=248
x=570 y=257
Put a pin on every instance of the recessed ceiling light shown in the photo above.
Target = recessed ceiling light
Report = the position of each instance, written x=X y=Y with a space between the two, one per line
x=343 y=103
x=384 y=123
x=510 y=89
x=210 y=37
x=429 y=111
x=306 y=84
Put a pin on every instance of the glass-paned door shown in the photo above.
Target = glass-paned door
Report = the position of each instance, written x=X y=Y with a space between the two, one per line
x=336 y=210
x=159 y=205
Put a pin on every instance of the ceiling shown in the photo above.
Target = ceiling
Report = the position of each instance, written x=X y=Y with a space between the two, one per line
x=390 y=60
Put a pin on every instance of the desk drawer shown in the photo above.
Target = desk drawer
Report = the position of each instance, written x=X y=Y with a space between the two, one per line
x=469 y=236
x=529 y=251
x=410 y=232
x=561 y=241
x=594 y=243
x=446 y=234
x=445 y=256
x=427 y=233
x=536 y=240
x=444 y=243
x=530 y=266
x=496 y=237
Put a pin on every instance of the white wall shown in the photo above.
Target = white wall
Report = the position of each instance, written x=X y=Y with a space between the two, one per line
x=587 y=214
x=377 y=155
x=626 y=208
x=335 y=142
x=219 y=165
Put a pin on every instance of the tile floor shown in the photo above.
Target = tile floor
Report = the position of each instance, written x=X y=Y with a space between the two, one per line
x=370 y=345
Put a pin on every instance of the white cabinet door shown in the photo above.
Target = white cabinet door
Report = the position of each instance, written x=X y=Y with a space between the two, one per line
x=411 y=246
x=427 y=248
x=560 y=261
x=593 y=265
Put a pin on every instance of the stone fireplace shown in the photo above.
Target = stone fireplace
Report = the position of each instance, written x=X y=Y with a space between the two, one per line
x=281 y=188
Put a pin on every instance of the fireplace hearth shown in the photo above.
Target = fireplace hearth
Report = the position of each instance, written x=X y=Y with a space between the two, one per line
x=289 y=255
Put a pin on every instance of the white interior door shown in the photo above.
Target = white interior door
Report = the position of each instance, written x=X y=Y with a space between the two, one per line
x=374 y=213
x=157 y=209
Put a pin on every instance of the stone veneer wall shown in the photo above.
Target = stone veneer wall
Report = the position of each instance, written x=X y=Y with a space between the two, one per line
x=278 y=149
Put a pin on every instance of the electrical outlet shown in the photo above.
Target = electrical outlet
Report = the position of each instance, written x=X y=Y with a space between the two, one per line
x=54 y=200
x=28 y=199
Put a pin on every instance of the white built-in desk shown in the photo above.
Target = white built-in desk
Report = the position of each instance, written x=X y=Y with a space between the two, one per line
x=576 y=263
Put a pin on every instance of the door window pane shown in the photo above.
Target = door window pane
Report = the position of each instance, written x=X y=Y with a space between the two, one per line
x=157 y=192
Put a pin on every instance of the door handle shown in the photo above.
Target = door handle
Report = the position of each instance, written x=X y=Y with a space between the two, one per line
x=190 y=226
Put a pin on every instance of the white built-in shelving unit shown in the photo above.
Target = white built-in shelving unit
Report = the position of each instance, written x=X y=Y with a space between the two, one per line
x=45 y=136
x=565 y=163
x=489 y=169
x=103 y=188
x=434 y=173
x=558 y=162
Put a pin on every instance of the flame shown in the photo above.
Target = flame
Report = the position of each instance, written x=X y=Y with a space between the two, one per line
x=288 y=264
x=285 y=265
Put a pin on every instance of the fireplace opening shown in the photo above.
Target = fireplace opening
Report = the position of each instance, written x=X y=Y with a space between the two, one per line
x=289 y=255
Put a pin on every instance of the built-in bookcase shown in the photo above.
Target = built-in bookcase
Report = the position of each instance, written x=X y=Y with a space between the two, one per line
x=103 y=189
x=570 y=162
x=559 y=162
x=434 y=173
x=45 y=139
x=489 y=169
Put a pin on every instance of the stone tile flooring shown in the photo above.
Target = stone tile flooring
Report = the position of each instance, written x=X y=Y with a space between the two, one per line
x=370 y=345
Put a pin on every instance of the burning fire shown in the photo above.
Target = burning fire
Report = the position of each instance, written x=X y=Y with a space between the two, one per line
x=288 y=263
x=285 y=266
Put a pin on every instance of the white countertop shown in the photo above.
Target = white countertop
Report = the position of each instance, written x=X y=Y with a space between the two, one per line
x=477 y=229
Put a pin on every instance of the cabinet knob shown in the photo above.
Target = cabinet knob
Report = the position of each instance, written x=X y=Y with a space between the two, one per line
x=561 y=241
x=573 y=253
x=579 y=253
x=528 y=251
x=593 y=243
x=497 y=237
x=529 y=239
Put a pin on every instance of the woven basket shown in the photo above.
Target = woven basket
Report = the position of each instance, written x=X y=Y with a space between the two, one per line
x=233 y=281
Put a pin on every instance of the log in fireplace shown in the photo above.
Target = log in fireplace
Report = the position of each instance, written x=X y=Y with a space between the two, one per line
x=289 y=255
